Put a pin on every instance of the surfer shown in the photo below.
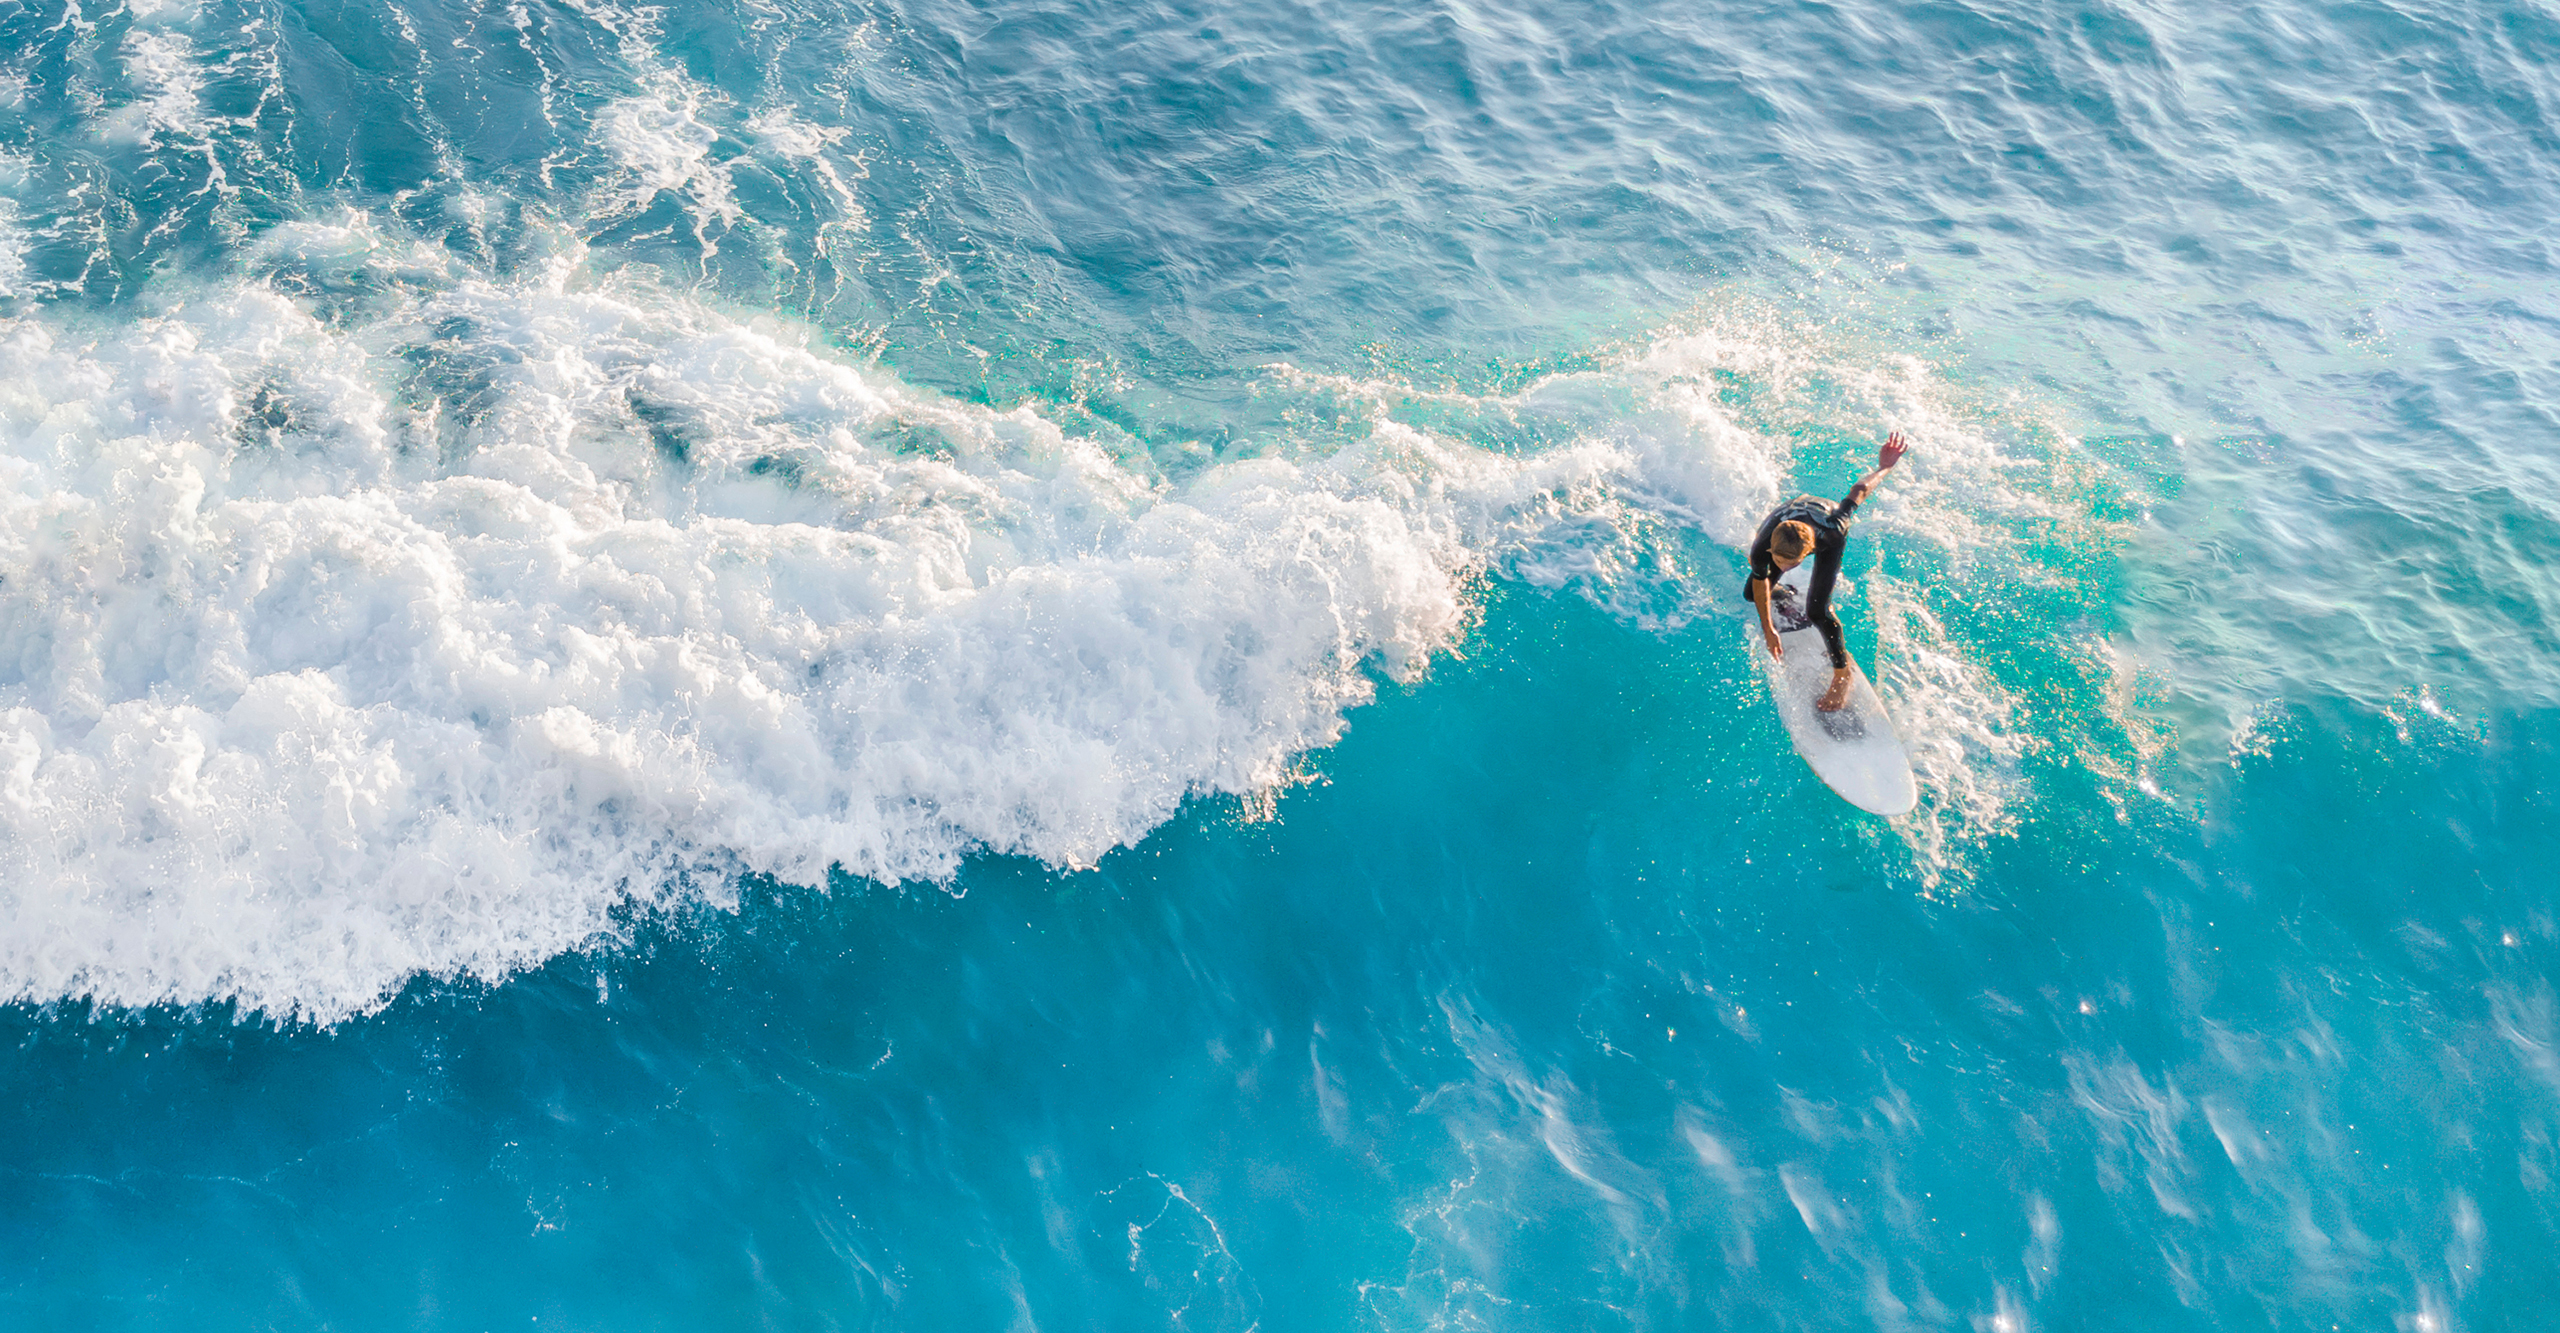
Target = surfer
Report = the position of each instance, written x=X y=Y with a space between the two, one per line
x=1809 y=524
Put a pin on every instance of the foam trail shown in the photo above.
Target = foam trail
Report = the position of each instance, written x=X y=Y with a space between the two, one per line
x=434 y=639
x=333 y=657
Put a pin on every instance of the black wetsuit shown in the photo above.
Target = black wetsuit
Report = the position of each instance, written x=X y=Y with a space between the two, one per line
x=1830 y=524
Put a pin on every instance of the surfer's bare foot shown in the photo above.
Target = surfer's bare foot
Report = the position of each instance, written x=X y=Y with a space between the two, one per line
x=1837 y=697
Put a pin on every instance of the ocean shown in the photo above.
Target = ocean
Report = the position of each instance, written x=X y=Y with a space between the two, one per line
x=1032 y=664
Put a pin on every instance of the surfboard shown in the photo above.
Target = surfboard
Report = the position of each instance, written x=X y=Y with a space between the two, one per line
x=1855 y=751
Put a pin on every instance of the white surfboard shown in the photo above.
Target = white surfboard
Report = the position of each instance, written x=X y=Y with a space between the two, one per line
x=1854 y=751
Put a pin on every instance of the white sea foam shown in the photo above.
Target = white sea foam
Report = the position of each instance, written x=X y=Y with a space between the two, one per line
x=14 y=278
x=663 y=145
x=1957 y=723
x=168 y=86
x=429 y=640
x=334 y=657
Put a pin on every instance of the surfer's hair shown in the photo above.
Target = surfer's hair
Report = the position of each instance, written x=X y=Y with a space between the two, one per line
x=1792 y=539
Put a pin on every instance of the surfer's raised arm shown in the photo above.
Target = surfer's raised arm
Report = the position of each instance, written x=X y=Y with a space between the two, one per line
x=1886 y=457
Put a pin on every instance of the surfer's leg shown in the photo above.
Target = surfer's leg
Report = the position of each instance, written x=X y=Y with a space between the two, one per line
x=1837 y=697
x=1834 y=640
x=1817 y=604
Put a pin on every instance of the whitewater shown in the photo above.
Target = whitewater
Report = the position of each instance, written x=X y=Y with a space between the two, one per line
x=1044 y=665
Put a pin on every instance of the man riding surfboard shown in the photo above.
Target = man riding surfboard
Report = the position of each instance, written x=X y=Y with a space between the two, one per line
x=1811 y=525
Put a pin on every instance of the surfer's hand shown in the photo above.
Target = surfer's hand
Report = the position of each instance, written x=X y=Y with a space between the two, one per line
x=1891 y=453
x=1837 y=697
x=1774 y=650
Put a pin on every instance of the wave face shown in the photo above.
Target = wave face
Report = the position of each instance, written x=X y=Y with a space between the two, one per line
x=1054 y=664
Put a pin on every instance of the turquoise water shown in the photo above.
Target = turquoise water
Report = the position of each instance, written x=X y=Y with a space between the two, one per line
x=1059 y=666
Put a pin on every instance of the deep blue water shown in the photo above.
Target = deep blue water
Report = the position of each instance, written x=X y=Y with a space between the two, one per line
x=1066 y=666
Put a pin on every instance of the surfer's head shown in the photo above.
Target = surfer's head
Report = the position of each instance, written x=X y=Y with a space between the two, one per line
x=1789 y=543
